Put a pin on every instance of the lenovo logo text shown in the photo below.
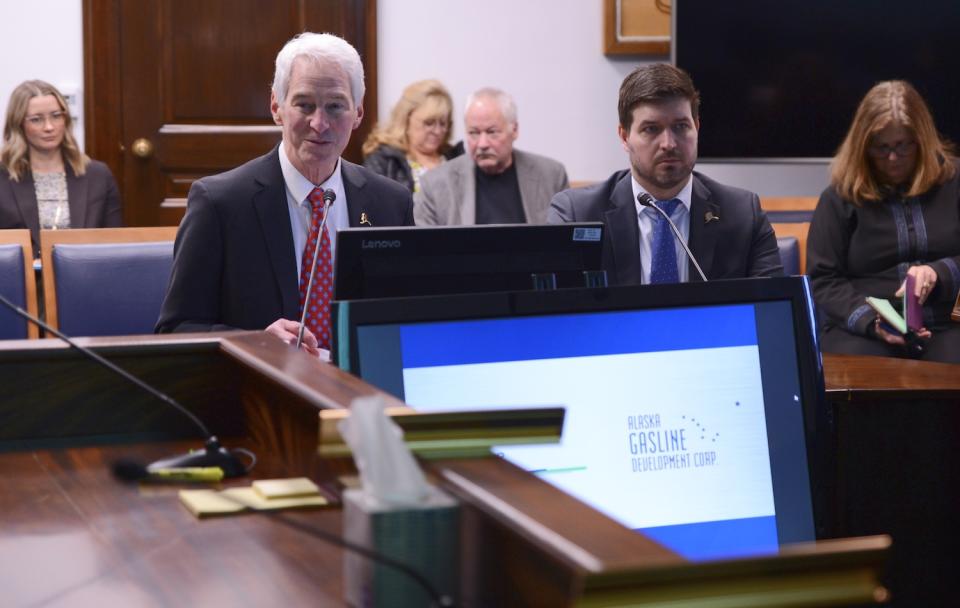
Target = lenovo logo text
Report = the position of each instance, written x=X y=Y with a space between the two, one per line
x=394 y=244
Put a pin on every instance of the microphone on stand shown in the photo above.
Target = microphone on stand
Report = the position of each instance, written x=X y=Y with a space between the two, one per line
x=213 y=454
x=647 y=201
x=328 y=197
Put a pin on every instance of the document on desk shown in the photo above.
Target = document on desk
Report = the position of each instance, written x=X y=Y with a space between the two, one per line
x=665 y=435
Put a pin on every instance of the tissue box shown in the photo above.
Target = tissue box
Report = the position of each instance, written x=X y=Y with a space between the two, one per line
x=426 y=538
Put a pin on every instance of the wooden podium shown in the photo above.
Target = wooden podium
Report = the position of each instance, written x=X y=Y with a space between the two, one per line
x=73 y=536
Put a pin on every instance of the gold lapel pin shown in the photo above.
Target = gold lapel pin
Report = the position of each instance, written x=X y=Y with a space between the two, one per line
x=364 y=220
x=710 y=217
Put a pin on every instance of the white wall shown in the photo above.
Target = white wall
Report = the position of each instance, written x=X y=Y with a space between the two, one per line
x=549 y=55
x=43 y=39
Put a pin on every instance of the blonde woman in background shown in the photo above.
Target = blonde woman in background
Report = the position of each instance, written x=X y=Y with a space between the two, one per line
x=45 y=180
x=416 y=139
x=892 y=210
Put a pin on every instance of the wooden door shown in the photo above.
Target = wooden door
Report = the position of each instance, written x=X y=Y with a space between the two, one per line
x=179 y=89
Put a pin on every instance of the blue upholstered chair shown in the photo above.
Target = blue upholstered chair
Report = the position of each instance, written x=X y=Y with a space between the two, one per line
x=17 y=284
x=790 y=217
x=108 y=281
x=789 y=254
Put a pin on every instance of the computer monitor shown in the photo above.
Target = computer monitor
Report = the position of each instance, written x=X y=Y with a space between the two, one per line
x=433 y=260
x=688 y=407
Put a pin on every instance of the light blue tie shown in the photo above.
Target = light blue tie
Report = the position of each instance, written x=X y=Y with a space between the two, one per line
x=663 y=265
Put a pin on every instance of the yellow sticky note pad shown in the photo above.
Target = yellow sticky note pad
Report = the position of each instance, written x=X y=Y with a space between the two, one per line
x=252 y=499
x=204 y=503
x=285 y=488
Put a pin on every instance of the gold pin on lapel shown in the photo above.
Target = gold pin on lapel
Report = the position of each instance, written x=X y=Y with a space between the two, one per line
x=710 y=217
x=364 y=220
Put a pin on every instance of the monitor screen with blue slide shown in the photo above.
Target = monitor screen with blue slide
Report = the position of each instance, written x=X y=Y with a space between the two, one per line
x=685 y=405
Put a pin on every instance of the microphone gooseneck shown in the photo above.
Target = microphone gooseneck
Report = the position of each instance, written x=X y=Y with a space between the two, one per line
x=647 y=201
x=328 y=197
x=213 y=454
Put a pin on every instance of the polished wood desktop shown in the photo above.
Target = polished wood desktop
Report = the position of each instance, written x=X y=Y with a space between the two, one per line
x=74 y=536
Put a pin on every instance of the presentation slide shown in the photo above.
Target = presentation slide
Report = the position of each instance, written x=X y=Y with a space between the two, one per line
x=671 y=442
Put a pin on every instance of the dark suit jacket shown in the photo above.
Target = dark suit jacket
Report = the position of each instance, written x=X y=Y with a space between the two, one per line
x=234 y=265
x=739 y=244
x=93 y=199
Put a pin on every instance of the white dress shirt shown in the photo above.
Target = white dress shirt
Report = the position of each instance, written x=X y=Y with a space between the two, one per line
x=646 y=218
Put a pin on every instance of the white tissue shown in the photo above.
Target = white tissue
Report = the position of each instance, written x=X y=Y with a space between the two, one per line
x=389 y=474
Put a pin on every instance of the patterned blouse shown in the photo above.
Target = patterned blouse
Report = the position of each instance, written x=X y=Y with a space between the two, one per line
x=417 y=170
x=51 y=190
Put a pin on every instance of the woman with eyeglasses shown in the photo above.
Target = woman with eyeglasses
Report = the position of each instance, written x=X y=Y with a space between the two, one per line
x=45 y=180
x=416 y=139
x=892 y=210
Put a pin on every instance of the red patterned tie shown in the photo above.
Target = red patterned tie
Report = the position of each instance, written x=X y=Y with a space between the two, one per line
x=318 y=311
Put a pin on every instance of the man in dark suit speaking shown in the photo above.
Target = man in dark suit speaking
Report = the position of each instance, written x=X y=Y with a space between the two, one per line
x=724 y=227
x=245 y=246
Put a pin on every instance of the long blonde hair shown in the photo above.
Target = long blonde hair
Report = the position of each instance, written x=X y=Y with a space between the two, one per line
x=888 y=103
x=15 y=155
x=419 y=93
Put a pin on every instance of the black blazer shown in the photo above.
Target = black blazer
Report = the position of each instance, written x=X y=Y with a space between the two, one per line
x=729 y=233
x=234 y=264
x=391 y=162
x=93 y=198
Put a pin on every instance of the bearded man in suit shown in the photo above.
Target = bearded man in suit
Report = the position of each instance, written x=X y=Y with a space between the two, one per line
x=245 y=246
x=725 y=228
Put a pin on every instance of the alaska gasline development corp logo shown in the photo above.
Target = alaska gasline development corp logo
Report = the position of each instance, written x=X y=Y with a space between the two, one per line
x=661 y=443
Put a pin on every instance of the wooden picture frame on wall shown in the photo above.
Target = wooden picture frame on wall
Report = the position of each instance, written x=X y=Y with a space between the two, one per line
x=636 y=27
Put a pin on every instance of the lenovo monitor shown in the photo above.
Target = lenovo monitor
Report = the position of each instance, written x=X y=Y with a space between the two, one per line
x=433 y=260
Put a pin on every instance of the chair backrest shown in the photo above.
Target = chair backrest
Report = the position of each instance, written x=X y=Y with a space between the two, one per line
x=105 y=281
x=17 y=284
x=790 y=216
x=789 y=254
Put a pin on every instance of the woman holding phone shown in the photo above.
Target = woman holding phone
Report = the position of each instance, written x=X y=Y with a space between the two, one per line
x=892 y=210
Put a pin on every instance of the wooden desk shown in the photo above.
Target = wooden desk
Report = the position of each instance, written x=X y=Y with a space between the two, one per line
x=73 y=537
x=896 y=429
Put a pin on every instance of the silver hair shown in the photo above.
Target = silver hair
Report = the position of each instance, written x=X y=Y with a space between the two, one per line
x=508 y=107
x=319 y=47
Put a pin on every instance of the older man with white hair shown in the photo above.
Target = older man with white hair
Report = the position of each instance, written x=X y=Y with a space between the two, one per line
x=244 y=249
x=494 y=183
